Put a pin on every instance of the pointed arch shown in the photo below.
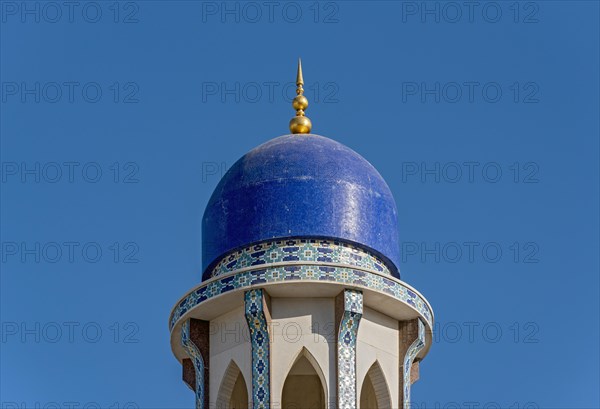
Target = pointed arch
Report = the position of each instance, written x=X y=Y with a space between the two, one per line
x=375 y=393
x=233 y=392
x=304 y=385
x=304 y=352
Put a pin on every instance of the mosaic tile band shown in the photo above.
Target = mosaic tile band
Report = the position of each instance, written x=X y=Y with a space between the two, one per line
x=299 y=273
x=259 y=339
x=412 y=352
x=298 y=250
x=197 y=361
x=346 y=349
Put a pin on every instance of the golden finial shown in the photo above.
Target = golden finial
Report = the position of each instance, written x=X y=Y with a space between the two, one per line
x=300 y=123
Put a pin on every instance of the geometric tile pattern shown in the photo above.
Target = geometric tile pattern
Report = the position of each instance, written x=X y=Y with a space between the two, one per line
x=196 y=357
x=295 y=250
x=411 y=353
x=346 y=349
x=301 y=273
x=259 y=340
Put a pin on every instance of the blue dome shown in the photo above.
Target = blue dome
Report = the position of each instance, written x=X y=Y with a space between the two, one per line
x=301 y=186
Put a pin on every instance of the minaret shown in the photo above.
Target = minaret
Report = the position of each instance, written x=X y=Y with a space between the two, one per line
x=301 y=304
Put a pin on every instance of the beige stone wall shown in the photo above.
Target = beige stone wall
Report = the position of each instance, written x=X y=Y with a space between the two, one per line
x=378 y=342
x=303 y=329
x=299 y=323
x=229 y=340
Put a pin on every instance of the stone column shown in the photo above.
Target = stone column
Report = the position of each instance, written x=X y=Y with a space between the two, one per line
x=195 y=341
x=412 y=340
x=256 y=307
x=348 y=312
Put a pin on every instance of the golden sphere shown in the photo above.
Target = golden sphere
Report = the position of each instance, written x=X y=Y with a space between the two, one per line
x=300 y=102
x=300 y=124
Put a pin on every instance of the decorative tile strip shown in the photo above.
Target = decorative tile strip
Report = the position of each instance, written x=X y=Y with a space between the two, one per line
x=298 y=250
x=301 y=273
x=259 y=338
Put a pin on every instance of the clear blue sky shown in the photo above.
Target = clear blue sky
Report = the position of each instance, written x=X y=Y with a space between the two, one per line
x=160 y=96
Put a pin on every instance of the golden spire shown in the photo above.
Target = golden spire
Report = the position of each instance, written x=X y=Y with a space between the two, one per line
x=300 y=123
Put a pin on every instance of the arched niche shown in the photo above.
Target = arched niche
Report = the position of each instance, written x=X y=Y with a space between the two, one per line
x=374 y=393
x=304 y=386
x=233 y=392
